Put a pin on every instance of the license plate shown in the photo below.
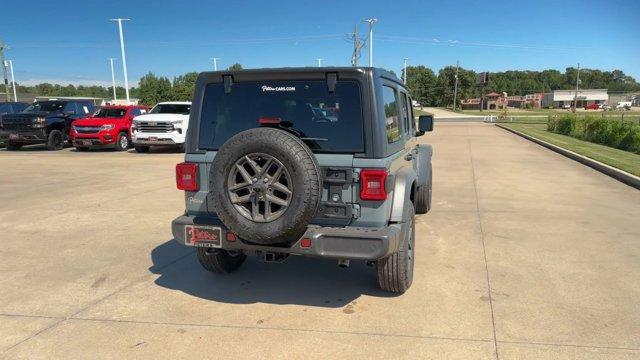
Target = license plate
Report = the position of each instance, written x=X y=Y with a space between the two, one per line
x=13 y=136
x=202 y=236
x=152 y=139
x=86 y=142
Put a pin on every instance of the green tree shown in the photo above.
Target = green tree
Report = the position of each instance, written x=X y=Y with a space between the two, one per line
x=153 y=89
x=421 y=81
x=184 y=86
x=235 y=67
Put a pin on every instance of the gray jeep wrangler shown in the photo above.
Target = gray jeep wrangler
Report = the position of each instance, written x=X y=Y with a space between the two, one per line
x=304 y=161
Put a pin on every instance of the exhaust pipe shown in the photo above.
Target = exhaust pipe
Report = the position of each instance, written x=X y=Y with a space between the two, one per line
x=343 y=263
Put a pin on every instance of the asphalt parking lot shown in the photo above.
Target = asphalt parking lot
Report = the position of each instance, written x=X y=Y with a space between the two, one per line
x=526 y=254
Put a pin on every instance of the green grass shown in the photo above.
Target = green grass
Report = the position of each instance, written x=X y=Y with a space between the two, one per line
x=516 y=112
x=418 y=112
x=620 y=159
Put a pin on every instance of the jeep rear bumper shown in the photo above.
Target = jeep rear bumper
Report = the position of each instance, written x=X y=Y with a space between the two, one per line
x=356 y=243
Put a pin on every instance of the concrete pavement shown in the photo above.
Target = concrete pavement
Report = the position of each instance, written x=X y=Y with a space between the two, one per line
x=526 y=254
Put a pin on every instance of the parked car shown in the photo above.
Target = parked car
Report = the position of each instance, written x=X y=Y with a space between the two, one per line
x=592 y=106
x=43 y=122
x=10 y=108
x=109 y=127
x=165 y=124
x=624 y=105
x=265 y=174
x=566 y=106
x=605 y=107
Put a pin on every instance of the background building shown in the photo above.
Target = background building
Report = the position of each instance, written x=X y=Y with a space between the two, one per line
x=585 y=97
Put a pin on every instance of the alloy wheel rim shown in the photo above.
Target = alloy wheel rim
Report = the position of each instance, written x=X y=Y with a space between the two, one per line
x=259 y=187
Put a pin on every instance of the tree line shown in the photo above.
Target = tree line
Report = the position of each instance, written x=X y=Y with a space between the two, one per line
x=431 y=89
x=150 y=90
x=427 y=87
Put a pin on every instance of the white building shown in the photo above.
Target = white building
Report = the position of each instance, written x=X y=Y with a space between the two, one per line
x=585 y=97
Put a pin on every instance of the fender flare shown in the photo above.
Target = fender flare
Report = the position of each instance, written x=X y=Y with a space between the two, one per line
x=404 y=182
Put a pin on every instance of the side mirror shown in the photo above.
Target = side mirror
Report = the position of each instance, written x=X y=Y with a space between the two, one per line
x=425 y=123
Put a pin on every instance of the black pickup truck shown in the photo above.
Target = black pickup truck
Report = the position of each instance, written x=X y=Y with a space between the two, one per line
x=43 y=122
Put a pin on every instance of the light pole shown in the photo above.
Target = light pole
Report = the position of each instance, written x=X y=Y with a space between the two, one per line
x=319 y=62
x=371 y=22
x=455 y=87
x=404 y=72
x=124 y=58
x=575 y=98
x=13 y=81
x=113 y=79
x=4 y=71
x=215 y=63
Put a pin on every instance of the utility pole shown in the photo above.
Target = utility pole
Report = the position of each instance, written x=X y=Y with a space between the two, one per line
x=215 y=63
x=13 y=81
x=113 y=79
x=319 y=62
x=4 y=71
x=124 y=58
x=404 y=72
x=357 y=45
x=371 y=22
x=575 y=98
x=455 y=87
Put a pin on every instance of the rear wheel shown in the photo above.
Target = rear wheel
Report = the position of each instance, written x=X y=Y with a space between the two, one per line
x=55 y=141
x=122 y=143
x=395 y=272
x=141 y=148
x=220 y=261
x=423 y=197
x=13 y=146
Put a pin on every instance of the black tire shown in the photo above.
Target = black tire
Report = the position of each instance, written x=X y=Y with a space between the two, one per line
x=55 y=140
x=423 y=197
x=82 y=148
x=122 y=142
x=306 y=179
x=141 y=148
x=220 y=261
x=180 y=148
x=13 y=146
x=395 y=272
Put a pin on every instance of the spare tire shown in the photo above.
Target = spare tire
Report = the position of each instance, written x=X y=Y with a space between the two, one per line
x=265 y=186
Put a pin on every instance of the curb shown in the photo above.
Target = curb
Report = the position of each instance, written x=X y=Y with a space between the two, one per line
x=620 y=175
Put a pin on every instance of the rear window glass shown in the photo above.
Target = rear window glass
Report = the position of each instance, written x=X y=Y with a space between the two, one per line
x=46 y=106
x=183 y=109
x=110 y=113
x=327 y=122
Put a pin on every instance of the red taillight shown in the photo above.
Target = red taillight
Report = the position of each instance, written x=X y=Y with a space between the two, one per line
x=372 y=184
x=187 y=177
x=231 y=237
x=305 y=243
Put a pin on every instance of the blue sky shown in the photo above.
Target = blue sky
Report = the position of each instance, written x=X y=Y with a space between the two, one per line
x=70 y=41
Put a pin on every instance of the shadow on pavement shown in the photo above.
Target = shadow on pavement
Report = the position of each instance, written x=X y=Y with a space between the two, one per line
x=299 y=280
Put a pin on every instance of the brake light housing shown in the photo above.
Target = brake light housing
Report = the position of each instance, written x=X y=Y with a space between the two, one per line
x=372 y=184
x=187 y=177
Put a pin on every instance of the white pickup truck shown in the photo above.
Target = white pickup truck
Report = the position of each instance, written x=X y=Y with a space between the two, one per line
x=624 y=105
x=166 y=124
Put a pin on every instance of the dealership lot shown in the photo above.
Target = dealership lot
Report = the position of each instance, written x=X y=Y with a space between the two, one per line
x=525 y=254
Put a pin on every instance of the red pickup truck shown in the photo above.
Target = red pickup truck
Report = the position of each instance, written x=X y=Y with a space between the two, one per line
x=108 y=127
